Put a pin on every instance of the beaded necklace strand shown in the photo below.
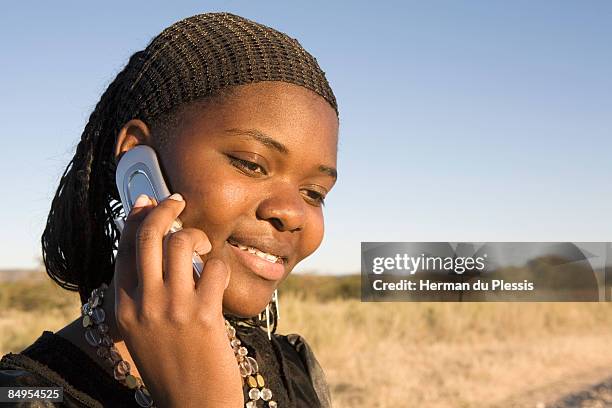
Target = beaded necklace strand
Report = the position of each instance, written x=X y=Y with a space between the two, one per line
x=96 y=334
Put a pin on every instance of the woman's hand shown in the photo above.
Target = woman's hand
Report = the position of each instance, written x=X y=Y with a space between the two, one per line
x=173 y=326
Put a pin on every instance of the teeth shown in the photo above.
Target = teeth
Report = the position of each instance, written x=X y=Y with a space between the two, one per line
x=261 y=254
x=271 y=258
x=267 y=257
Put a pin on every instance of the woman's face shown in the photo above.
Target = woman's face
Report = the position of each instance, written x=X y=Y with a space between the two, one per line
x=253 y=170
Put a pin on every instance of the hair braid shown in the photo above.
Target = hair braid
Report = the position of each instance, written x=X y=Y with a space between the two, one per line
x=78 y=240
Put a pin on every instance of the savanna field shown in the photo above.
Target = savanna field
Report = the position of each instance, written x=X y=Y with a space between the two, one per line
x=398 y=354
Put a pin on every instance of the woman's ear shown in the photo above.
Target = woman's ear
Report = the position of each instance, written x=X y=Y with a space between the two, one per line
x=133 y=133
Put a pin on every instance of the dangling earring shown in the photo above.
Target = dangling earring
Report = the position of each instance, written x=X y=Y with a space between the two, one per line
x=271 y=314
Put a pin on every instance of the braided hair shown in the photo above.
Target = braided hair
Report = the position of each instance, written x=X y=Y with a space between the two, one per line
x=197 y=58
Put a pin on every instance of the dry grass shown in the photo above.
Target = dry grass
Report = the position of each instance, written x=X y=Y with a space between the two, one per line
x=397 y=354
x=449 y=354
x=27 y=307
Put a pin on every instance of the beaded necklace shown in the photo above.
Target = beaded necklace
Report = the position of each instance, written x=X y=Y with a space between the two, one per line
x=96 y=334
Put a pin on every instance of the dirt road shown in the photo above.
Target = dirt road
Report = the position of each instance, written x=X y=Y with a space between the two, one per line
x=584 y=389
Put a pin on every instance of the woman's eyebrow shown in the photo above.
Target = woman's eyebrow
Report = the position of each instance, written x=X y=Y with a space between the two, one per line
x=260 y=137
x=276 y=145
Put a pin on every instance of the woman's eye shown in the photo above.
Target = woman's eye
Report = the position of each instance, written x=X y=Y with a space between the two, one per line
x=247 y=166
x=316 y=197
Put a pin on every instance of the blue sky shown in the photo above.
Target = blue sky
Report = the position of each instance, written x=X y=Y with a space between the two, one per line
x=460 y=121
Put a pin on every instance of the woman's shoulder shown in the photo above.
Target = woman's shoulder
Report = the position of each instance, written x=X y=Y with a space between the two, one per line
x=18 y=370
x=19 y=377
x=13 y=372
x=298 y=346
x=25 y=369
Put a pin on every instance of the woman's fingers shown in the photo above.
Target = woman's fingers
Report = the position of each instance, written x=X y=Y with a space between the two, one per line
x=210 y=287
x=125 y=261
x=154 y=268
x=149 y=242
x=178 y=253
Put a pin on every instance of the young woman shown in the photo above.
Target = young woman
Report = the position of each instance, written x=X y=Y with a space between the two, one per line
x=245 y=126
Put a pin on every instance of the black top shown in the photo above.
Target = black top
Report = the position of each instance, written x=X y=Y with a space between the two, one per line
x=286 y=362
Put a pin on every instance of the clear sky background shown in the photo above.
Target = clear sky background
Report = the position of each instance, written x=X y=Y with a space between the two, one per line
x=460 y=120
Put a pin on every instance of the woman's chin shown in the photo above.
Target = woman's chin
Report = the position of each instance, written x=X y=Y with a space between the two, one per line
x=245 y=303
x=242 y=311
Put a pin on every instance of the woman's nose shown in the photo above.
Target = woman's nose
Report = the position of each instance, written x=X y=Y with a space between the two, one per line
x=284 y=209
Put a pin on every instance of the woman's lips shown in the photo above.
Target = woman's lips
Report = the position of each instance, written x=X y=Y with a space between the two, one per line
x=262 y=267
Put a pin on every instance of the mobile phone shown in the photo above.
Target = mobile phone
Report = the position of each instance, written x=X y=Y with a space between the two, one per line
x=138 y=172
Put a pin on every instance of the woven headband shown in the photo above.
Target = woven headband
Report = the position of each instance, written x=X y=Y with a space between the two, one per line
x=202 y=54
